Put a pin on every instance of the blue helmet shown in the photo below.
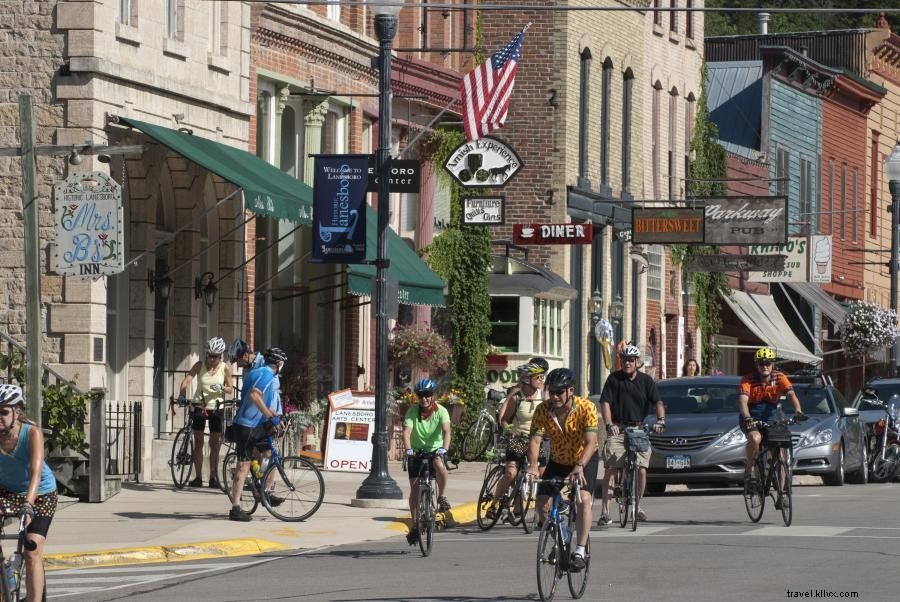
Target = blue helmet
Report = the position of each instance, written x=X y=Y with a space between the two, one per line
x=426 y=386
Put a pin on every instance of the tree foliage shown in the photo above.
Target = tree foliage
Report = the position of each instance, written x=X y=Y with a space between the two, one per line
x=744 y=23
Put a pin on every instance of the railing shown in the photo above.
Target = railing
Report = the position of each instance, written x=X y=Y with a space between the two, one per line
x=123 y=439
x=49 y=376
x=167 y=423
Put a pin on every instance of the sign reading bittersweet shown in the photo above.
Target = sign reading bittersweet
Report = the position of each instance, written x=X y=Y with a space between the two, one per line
x=552 y=234
x=482 y=211
x=90 y=236
x=746 y=220
x=652 y=226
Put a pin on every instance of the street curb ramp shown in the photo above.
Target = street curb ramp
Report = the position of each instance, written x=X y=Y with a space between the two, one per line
x=168 y=553
x=458 y=515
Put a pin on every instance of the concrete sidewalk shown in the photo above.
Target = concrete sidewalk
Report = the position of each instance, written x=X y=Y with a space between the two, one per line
x=154 y=522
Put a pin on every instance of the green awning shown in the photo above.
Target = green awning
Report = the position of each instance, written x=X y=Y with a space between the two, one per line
x=267 y=190
x=271 y=192
x=418 y=284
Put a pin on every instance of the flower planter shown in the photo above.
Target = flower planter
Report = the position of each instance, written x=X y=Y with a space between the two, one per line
x=456 y=412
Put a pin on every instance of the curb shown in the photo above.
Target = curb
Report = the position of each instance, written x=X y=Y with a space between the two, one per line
x=458 y=515
x=168 y=553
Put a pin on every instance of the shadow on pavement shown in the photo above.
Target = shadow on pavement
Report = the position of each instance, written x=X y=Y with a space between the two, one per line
x=174 y=515
x=443 y=598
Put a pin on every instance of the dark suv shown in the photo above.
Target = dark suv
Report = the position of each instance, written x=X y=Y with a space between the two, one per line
x=869 y=413
x=702 y=443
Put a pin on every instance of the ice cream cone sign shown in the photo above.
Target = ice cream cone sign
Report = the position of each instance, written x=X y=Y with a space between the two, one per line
x=603 y=332
x=820 y=268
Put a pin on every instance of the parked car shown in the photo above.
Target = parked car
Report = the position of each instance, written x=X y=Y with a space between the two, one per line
x=702 y=443
x=870 y=413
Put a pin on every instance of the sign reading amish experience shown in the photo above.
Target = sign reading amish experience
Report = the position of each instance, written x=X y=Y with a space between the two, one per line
x=90 y=235
x=482 y=211
x=651 y=226
x=405 y=176
x=734 y=263
x=483 y=163
x=746 y=220
x=339 y=208
x=552 y=234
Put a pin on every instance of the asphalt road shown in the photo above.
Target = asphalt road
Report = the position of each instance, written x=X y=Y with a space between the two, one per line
x=697 y=546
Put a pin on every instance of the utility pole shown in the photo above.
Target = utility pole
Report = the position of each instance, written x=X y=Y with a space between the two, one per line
x=33 y=323
x=895 y=262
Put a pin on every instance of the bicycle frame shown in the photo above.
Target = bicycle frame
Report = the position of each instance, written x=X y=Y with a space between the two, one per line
x=15 y=562
x=426 y=491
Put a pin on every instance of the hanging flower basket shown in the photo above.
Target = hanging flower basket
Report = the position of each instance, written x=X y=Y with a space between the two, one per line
x=868 y=328
x=455 y=404
x=424 y=349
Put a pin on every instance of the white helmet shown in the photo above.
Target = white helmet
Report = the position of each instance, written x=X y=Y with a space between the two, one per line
x=11 y=395
x=630 y=351
x=215 y=346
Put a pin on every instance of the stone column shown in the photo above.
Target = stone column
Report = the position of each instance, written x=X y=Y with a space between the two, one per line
x=281 y=96
x=425 y=229
x=314 y=112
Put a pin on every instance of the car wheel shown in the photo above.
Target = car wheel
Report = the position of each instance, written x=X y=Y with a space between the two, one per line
x=836 y=478
x=656 y=488
x=861 y=476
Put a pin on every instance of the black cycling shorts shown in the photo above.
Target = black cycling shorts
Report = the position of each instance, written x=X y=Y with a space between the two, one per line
x=414 y=464
x=216 y=420
x=246 y=439
x=555 y=469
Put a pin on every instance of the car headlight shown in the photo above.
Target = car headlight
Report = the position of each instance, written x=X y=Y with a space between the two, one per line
x=733 y=437
x=820 y=438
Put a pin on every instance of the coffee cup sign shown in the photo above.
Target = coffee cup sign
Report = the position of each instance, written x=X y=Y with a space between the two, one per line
x=552 y=234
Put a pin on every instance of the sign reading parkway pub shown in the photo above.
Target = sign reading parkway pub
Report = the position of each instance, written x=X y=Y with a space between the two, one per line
x=483 y=163
x=552 y=234
x=746 y=220
x=651 y=226
x=89 y=234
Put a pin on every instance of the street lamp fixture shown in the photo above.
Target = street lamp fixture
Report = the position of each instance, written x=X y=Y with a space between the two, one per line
x=892 y=172
x=163 y=284
x=596 y=306
x=616 y=308
x=208 y=291
x=379 y=484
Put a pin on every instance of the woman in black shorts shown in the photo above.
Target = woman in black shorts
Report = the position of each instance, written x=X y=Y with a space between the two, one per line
x=21 y=489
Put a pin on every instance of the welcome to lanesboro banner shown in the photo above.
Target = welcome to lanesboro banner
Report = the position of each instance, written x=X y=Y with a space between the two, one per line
x=339 y=208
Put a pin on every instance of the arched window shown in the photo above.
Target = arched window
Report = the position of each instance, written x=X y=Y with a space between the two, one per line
x=655 y=135
x=627 y=85
x=672 y=170
x=606 y=92
x=583 y=113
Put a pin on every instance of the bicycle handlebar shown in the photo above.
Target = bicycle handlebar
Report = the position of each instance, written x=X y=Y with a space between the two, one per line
x=27 y=543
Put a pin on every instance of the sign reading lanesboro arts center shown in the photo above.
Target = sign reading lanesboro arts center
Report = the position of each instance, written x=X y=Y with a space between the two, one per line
x=734 y=263
x=405 y=176
x=483 y=163
x=90 y=237
x=482 y=210
x=650 y=226
x=796 y=249
x=552 y=234
x=746 y=220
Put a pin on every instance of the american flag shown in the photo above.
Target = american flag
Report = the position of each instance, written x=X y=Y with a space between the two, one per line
x=485 y=91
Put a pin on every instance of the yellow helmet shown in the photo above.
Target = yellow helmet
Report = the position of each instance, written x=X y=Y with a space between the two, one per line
x=766 y=354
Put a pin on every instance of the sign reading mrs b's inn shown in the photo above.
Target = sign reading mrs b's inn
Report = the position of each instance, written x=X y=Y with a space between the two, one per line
x=90 y=238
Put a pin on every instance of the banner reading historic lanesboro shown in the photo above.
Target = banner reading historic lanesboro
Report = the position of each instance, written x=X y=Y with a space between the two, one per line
x=339 y=208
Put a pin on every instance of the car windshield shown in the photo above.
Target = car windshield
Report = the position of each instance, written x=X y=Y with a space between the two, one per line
x=884 y=390
x=812 y=398
x=691 y=399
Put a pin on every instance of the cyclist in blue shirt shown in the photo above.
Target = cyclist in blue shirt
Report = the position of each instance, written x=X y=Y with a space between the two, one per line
x=255 y=418
x=240 y=354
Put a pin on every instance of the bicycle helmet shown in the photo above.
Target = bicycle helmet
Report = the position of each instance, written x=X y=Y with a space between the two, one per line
x=764 y=354
x=630 y=350
x=426 y=386
x=11 y=395
x=274 y=356
x=215 y=346
x=539 y=361
x=560 y=378
x=237 y=349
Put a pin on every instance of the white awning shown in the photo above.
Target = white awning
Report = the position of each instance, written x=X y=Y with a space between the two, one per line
x=814 y=295
x=760 y=314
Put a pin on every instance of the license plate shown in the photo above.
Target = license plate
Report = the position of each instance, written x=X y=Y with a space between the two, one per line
x=678 y=462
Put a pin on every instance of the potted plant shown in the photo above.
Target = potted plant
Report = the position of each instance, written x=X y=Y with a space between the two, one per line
x=452 y=399
x=868 y=328
x=420 y=348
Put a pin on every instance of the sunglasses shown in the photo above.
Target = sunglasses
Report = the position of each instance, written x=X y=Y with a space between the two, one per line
x=214 y=356
x=6 y=412
x=537 y=377
x=764 y=363
x=425 y=395
x=554 y=391
x=630 y=358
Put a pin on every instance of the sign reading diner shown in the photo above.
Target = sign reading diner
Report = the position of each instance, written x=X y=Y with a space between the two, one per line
x=652 y=226
x=552 y=234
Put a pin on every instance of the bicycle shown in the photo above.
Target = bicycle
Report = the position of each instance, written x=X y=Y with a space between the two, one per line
x=426 y=504
x=478 y=436
x=14 y=567
x=778 y=472
x=516 y=505
x=555 y=543
x=291 y=483
x=628 y=477
x=181 y=462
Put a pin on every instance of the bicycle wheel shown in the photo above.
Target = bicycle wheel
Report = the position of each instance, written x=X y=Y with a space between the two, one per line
x=633 y=494
x=182 y=460
x=578 y=581
x=523 y=504
x=227 y=450
x=783 y=484
x=754 y=493
x=623 y=486
x=425 y=518
x=249 y=500
x=486 y=498
x=293 y=489
x=476 y=440
x=548 y=554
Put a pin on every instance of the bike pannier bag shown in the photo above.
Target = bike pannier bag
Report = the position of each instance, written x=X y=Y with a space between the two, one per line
x=777 y=435
x=639 y=441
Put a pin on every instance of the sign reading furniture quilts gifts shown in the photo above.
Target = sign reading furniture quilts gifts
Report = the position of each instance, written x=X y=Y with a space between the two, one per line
x=90 y=236
x=482 y=211
x=339 y=208
x=552 y=234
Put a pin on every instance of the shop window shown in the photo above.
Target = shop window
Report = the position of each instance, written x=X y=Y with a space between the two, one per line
x=505 y=323
x=654 y=272
x=547 y=327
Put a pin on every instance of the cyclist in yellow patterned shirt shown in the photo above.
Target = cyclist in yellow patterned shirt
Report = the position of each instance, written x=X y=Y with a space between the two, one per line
x=570 y=422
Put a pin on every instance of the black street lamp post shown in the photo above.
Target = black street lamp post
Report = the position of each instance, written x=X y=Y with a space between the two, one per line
x=379 y=484
x=892 y=171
